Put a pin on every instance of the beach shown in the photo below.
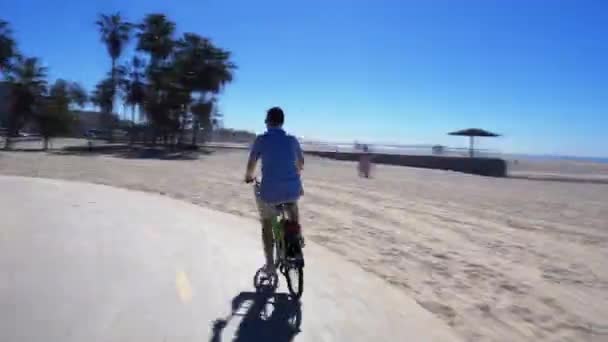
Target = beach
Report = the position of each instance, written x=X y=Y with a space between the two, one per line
x=498 y=259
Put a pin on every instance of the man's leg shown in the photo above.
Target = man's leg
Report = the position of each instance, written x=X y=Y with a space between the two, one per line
x=268 y=241
x=266 y=215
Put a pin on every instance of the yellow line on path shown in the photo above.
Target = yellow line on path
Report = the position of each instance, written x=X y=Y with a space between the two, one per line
x=183 y=287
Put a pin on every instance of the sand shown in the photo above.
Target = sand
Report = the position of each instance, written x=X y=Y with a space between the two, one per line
x=564 y=170
x=497 y=259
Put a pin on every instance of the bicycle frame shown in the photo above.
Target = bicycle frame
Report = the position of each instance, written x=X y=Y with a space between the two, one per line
x=295 y=282
x=279 y=235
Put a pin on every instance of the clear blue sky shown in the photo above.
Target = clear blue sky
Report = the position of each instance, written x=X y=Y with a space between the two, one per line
x=380 y=70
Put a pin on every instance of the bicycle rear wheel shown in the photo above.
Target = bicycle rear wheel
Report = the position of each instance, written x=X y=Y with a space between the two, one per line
x=295 y=280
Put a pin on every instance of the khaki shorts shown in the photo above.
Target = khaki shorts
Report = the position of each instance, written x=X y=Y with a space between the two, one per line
x=268 y=210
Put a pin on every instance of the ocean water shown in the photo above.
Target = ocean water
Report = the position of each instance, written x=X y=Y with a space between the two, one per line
x=587 y=159
x=598 y=160
x=554 y=157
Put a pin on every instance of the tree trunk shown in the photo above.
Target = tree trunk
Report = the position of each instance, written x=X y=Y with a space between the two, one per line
x=206 y=134
x=194 y=132
x=109 y=122
x=181 y=130
x=132 y=135
x=113 y=73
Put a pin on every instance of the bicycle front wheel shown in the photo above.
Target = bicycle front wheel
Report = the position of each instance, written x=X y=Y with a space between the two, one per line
x=295 y=280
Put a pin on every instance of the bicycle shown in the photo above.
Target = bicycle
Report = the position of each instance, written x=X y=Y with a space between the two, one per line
x=287 y=247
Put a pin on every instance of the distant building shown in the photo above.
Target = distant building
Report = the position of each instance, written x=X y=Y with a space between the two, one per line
x=232 y=135
x=86 y=121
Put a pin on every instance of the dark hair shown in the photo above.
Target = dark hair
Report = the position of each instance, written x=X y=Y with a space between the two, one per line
x=275 y=116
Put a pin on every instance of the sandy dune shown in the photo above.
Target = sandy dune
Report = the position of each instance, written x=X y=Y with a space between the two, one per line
x=497 y=259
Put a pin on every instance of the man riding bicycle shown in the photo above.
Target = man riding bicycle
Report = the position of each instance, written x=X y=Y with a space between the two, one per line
x=282 y=161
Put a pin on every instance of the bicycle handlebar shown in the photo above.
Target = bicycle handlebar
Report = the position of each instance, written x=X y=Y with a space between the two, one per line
x=253 y=180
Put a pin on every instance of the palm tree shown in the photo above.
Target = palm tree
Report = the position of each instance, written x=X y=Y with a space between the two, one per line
x=202 y=115
x=133 y=85
x=77 y=94
x=27 y=80
x=204 y=69
x=193 y=65
x=165 y=106
x=155 y=37
x=103 y=98
x=134 y=89
x=115 y=34
x=7 y=46
x=55 y=117
x=102 y=95
x=207 y=68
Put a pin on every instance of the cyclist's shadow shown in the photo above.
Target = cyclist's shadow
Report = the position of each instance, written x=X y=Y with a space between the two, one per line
x=266 y=315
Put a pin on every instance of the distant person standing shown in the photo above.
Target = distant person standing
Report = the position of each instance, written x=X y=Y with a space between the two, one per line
x=365 y=162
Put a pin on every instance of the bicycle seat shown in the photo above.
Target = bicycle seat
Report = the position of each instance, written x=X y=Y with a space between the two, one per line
x=281 y=206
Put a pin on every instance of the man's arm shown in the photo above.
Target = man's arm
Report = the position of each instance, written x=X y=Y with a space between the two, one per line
x=253 y=160
x=251 y=163
x=299 y=155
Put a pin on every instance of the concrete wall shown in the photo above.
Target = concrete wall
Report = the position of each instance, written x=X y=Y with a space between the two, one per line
x=480 y=166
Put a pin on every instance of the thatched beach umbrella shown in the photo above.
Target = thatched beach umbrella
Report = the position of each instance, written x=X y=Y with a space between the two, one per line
x=472 y=133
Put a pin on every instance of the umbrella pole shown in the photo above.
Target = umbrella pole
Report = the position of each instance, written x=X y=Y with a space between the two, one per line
x=471 y=144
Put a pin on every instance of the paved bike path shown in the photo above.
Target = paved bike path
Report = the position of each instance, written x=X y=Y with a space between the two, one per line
x=82 y=262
